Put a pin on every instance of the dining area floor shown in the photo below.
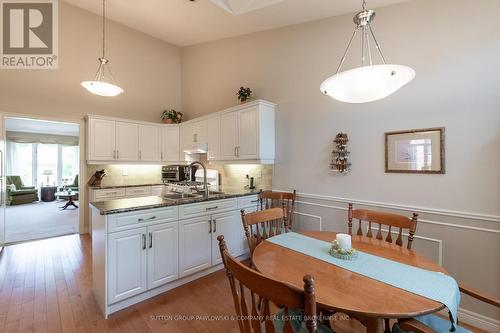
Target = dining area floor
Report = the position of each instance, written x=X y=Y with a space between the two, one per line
x=45 y=286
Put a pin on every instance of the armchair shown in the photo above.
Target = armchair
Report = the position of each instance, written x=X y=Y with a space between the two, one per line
x=22 y=194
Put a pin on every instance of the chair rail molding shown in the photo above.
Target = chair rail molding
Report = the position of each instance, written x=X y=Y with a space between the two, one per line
x=445 y=212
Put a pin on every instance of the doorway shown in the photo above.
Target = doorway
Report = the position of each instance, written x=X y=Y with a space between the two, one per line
x=42 y=167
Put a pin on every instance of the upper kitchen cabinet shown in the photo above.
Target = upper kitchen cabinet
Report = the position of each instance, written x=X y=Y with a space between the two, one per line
x=213 y=138
x=248 y=132
x=169 y=143
x=101 y=140
x=127 y=141
x=149 y=143
x=201 y=136
x=122 y=141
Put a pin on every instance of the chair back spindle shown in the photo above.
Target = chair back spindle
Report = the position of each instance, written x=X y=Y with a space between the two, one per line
x=275 y=199
x=382 y=218
x=264 y=224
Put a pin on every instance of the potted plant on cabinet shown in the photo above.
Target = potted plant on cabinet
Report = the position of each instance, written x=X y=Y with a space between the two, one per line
x=171 y=116
x=244 y=94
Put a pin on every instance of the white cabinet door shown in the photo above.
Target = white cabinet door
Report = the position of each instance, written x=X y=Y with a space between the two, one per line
x=127 y=141
x=229 y=135
x=248 y=125
x=170 y=144
x=149 y=143
x=163 y=254
x=195 y=245
x=224 y=224
x=101 y=139
x=186 y=138
x=127 y=260
x=213 y=138
x=200 y=132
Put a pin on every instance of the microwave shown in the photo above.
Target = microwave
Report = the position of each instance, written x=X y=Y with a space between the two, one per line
x=174 y=173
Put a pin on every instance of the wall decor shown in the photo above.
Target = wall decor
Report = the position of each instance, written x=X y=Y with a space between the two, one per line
x=415 y=151
x=340 y=155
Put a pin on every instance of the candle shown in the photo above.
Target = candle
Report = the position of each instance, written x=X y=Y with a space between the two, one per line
x=344 y=241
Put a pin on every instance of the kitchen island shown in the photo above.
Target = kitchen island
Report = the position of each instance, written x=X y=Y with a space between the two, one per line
x=142 y=247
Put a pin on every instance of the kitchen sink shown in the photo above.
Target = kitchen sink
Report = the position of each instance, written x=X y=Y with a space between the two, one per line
x=179 y=196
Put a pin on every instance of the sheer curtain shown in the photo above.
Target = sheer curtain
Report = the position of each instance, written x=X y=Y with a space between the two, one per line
x=31 y=160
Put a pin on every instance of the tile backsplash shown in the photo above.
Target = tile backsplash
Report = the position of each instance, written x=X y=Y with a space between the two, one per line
x=123 y=175
x=233 y=176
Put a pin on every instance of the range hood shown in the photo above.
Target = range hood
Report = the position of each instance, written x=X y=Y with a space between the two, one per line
x=196 y=148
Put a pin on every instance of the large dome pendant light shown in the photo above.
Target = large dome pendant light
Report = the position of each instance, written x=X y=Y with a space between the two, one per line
x=369 y=82
x=99 y=85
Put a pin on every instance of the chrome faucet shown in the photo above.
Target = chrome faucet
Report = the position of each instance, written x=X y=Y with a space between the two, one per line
x=205 y=184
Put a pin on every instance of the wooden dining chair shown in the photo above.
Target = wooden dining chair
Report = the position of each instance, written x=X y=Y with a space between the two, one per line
x=263 y=294
x=263 y=224
x=272 y=199
x=383 y=218
x=435 y=324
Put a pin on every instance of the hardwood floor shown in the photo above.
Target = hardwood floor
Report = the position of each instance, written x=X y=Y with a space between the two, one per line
x=45 y=286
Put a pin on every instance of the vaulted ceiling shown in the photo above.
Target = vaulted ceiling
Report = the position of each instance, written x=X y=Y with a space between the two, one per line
x=185 y=22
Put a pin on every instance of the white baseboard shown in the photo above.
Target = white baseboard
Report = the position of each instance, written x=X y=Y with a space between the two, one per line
x=479 y=321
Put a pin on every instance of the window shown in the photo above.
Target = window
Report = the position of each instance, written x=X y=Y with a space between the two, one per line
x=21 y=162
x=70 y=162
x=47 y=158
x=42 y=164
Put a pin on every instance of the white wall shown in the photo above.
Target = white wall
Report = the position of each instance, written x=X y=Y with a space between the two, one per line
x=454 y=47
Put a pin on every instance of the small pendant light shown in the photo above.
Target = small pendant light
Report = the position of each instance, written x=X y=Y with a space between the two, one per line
x=99 y=85
x=369 y=82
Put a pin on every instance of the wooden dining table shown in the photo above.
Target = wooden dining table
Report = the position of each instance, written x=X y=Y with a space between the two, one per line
x=341 y=290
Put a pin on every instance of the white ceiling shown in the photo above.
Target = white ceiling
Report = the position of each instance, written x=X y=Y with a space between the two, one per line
x=41 y=126
x=184 y=22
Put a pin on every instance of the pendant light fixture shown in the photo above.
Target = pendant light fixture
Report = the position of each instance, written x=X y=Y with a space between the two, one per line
x=103 y=84
x=369 y=82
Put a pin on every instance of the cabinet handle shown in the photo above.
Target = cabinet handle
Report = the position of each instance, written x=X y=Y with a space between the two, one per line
x=148 y=219
x=140 y=155
x=254 y=201
x=195 y=137
x=212 y=208
x=117 y=154
x=215 y=225
x=235 y=151
x=209 y=226
x=143 y=241
x=150 y=240
x=161 y=156
x=114 y=154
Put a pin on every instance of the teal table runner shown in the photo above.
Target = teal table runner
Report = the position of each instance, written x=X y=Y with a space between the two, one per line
x=433 y=285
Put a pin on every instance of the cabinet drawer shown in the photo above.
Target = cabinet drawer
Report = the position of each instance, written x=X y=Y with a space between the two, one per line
x=126 y=221
x=204 y=208
x=248 y=201
x=138 y=191
x=110 y=193
x=157 y=190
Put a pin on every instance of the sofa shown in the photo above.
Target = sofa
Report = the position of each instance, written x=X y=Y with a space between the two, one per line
x=17 y=193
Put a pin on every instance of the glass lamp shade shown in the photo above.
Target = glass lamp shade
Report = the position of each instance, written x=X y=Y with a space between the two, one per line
x=368 y=83
x=102 y=88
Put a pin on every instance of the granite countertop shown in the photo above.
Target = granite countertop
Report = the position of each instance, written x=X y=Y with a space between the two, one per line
x=140 y=203
x=123 y=186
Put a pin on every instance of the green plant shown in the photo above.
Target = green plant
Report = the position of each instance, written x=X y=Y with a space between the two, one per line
x=244 y=93
x=175 y=116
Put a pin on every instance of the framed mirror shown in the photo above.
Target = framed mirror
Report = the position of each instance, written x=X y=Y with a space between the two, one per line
x=415 y=151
